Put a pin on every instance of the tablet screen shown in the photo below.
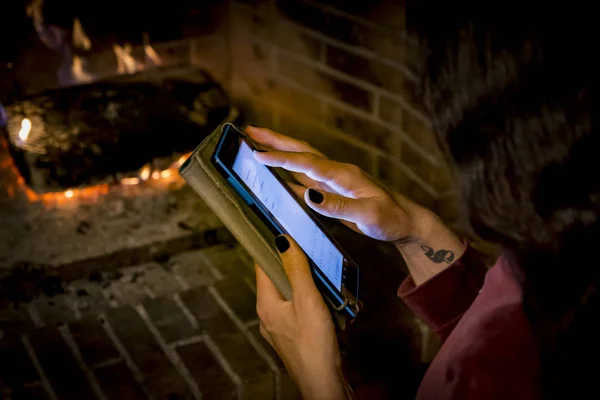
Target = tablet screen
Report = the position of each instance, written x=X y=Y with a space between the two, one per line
x=290 y=215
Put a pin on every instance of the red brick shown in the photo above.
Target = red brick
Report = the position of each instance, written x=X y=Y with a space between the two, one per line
x=212 y=380
x=169 y=319
x=160 y=376
x=117 y=382
x=93 y=342
x=65 y=376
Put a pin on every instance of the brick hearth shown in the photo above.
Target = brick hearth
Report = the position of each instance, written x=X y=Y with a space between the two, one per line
x=183 y=328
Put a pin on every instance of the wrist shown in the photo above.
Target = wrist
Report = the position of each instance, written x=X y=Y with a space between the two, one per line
x=422 y=224
x=324 y=386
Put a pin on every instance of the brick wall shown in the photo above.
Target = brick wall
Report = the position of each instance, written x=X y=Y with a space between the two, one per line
x=340 y=75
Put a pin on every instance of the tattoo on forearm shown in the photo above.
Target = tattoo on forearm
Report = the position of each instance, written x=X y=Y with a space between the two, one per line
x=439 y=256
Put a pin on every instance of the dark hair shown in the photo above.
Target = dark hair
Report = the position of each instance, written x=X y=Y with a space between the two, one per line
x=510 y=90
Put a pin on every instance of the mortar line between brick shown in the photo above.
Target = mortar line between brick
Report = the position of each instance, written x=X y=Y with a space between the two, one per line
x=38 y=368
x=357 y=19
x=37 y=320
x=361 y=51
x=137 y=375
x=257 y=346
x=106 y=363
x=170 y=353
x=209 y=343
x=187 y=341
x=186 y=311
x=182 y=283
x=249 y=283
x=235 y=378
x=215 y=271
x=253 y=323
x=68 y=338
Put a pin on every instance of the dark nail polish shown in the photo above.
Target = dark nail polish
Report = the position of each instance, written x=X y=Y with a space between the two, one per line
x=314 y=196
x=282 y=243
x=260 y=151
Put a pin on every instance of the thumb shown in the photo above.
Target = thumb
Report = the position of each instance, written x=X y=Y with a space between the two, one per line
x=335 y=206
x=296 y=266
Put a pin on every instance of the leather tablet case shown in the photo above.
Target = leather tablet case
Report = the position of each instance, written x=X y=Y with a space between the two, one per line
x=231 y=209
x=199 y=172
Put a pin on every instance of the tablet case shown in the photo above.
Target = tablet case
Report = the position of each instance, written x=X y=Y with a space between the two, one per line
x=200 y=173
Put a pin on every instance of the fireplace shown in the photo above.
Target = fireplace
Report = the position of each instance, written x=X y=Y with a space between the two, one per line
x=114 y=275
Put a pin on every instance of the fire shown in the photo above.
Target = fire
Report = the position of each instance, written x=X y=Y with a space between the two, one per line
x=80 y=39
x=78 y=71
x=145 y=173
x=15 y=184
x=152 y=56
x=130 y=181
x=25 y=129
x=126 y=64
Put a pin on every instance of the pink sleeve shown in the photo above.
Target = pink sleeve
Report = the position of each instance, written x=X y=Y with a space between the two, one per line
x=442 y=300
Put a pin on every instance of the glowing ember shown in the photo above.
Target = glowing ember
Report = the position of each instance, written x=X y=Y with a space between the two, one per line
x=156 y=175
x=166 y=173
x=25 y=129
x=69 y=193
x=145 y=173
x=130 y=181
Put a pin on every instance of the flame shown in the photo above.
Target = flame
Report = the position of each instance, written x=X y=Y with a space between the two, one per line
x=181 y=160
x=25 y=129
x=126 y=64
x=78 y=72
x=166 y=173
x=152 y=56
x=80 y=39
x=156 y=175
x=145 y=173
x=69 y=193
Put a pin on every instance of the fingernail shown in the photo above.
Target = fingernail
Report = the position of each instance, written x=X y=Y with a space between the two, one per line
x=282 y=243
x=260 y=151
x=252 y=126
x=315 y=196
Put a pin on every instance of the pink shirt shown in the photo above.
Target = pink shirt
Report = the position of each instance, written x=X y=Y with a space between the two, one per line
x=489 y=349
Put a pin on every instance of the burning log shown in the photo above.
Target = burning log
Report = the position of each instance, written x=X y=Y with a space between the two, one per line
x=98 y=132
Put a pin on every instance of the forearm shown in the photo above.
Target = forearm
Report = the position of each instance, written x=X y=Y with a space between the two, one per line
x=432 y=248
